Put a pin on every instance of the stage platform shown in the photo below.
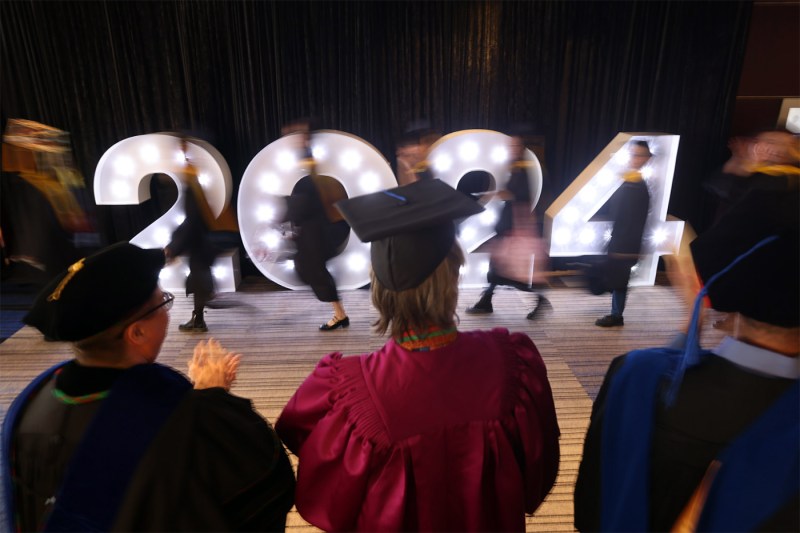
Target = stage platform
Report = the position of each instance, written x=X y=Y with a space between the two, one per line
x=276 y=332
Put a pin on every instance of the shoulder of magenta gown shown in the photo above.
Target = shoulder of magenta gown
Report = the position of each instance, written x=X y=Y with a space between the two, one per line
x=460 y=438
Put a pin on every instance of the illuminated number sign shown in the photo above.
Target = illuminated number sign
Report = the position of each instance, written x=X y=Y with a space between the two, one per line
x=273 y=173
x=122 y=177
x=568 y=220
x=456 y=154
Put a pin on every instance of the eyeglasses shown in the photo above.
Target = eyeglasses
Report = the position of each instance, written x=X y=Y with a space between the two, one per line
x=167 y=300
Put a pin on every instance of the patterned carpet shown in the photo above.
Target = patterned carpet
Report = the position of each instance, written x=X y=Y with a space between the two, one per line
x=276 y=332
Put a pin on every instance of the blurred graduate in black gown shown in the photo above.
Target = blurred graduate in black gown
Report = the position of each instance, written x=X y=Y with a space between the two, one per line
x=202 y=236
x=320 y=231
x=517 y=235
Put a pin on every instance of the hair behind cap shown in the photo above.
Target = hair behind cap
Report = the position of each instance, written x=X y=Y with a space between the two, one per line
x=432 y=303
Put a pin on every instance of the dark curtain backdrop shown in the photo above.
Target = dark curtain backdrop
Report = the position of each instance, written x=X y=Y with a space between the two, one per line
x=233 y=72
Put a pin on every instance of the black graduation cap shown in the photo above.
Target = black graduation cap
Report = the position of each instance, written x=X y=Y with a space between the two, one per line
x=411 y=228
x=764 y=285
x=96 y=292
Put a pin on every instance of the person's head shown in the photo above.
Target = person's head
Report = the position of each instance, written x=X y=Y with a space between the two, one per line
x=516 y=147
x=640 y=154
x=108 y=305
x=776 y=148
x=415 y=142
x=432 y=303
x=519 y=135
x=415 y=255
x=303 y=128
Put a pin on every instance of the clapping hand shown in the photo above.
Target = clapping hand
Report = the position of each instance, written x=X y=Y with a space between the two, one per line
x=213 y=366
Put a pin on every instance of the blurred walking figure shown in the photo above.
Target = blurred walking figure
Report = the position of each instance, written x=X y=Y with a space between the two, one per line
x=629 y=207
x=320 y=231
x=202 y=236
x=412 y=152
x=517 y=236
x=42 y=219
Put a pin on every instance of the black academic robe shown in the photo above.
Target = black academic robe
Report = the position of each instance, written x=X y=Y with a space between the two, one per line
x=518 y=186
x=207 y=460
x=318 y=237
x=202 y=237
x=629 y=207
x=718 y=400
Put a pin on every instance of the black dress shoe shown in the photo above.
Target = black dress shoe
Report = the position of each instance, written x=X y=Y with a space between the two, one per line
x=337 y=323
x=195 y=325
x=609 y=321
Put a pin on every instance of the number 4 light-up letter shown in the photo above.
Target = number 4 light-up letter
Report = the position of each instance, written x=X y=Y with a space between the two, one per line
x=567 y=220
x=123 y=177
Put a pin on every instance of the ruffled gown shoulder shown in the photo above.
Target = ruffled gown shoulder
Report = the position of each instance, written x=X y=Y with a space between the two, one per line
x=460 y=438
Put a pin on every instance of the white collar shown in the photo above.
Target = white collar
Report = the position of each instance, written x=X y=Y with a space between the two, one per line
x=758 y=359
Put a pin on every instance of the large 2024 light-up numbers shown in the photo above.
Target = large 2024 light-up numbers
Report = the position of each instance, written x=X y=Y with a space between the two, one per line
x=122 y=177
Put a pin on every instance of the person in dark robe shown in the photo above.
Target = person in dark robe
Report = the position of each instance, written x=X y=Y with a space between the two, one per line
x=630 y=205
x=691 y=439
x=202 y=236
x=40 y=212
x=439 y=429
x=320 y=231
x=515 y=218
x=413 y=147
x=768 y=161
x=112 y=440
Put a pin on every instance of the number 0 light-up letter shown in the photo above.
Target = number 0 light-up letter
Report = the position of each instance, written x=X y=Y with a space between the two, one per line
x=273 y=173
x=568 y=219
x=123 y=177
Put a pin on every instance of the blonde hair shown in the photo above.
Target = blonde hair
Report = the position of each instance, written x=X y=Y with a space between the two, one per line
x=432 y=303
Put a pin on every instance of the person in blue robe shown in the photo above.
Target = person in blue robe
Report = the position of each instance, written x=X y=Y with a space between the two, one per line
x=689 y=439
x=114 y=440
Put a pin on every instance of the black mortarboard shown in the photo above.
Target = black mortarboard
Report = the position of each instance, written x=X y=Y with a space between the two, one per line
x=411 y=228
x=96 y=292
x=765 y=285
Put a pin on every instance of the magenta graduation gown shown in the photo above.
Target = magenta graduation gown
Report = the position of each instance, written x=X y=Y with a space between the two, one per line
x=461 y=438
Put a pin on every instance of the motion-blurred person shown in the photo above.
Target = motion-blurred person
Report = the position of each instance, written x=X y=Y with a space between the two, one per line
x=412 y=152
x=517 y=235
x=320 y=231
x=438 y=430
x=768 y=161
x=629 y=207
x=41 y=215
x=202 y=236
x=709 y=440
x=112 y=440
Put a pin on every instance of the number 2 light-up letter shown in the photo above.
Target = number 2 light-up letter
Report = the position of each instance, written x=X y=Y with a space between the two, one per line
x=273 y=173
x=461 y=152
x=567 y=220
x=122 y=177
